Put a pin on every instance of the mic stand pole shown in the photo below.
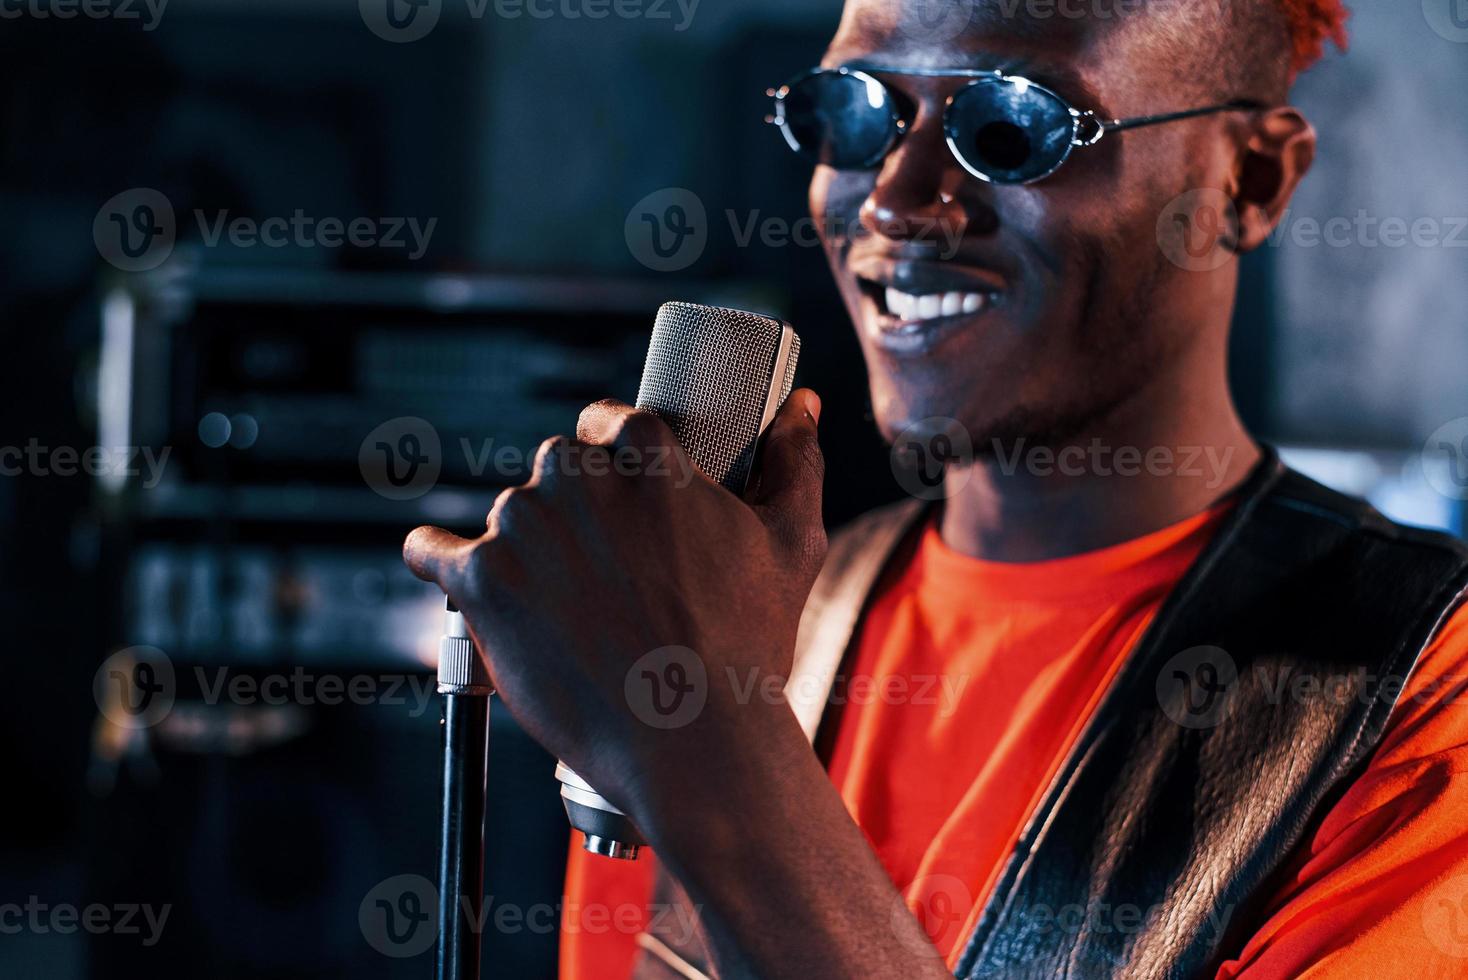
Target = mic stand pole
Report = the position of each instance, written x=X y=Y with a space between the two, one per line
x=464 y=684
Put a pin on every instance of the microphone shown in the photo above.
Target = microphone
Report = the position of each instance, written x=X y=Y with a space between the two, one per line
x=717 y=377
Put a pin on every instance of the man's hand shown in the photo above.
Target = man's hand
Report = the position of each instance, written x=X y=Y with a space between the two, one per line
x=619 y=546
x=580 y=576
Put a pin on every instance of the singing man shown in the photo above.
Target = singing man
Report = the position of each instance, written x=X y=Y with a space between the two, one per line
x=1085 y=711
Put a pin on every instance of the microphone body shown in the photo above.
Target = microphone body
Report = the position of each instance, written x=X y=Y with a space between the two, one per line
x=717 y=377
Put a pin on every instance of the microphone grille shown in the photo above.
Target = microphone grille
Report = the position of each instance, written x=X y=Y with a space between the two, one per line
x=716 y=376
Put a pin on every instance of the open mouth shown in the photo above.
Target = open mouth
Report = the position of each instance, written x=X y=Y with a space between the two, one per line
x=915 y=320
x=921 y=307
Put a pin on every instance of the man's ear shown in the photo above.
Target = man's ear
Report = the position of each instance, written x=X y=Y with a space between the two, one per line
x=1280 y=150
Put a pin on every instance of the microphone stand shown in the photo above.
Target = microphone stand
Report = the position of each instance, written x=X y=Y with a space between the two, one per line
x=464 y=684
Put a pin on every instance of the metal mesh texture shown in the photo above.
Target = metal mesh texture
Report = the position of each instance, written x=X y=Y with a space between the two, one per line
x=708 y=375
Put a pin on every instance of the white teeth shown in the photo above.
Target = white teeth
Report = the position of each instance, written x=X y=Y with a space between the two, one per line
x=930 y=306
x=900 y=304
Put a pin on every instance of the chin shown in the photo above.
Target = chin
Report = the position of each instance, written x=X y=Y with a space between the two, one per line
x=922 y=418
x=968 y=430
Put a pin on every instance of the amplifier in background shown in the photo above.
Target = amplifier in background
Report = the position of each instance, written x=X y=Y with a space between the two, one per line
x=263 y=549
x=298 y=424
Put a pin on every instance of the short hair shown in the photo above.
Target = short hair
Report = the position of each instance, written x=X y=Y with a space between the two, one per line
x=1265 y=43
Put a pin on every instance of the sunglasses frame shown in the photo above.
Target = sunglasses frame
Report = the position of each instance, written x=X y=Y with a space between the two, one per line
x=1087 y=127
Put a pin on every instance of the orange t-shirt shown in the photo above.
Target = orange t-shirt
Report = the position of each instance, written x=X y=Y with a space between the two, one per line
x=970 y=681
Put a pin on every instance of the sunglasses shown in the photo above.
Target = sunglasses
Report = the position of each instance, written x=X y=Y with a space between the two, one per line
x=1001 y=128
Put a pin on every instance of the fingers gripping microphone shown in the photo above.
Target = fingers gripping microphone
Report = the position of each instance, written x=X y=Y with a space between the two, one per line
x=716 y=377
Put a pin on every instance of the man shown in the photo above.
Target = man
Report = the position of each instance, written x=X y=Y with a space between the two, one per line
x=1163 y=720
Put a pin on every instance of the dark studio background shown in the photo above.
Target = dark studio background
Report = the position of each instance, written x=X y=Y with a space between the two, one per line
x=264 y=547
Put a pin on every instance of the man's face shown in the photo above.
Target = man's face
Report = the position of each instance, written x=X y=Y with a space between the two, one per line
x=1066 y=304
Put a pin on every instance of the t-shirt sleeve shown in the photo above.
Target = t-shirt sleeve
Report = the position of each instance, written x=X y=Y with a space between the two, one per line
x=1380 y=889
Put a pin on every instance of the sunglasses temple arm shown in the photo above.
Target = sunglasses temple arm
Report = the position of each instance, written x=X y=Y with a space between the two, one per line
x=1137 y=122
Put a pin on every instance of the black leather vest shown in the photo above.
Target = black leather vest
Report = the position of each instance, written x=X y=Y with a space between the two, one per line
x=1257 y=694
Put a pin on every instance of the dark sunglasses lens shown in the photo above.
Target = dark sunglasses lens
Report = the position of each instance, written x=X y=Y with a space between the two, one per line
x=842 y=120
x=1009 y=132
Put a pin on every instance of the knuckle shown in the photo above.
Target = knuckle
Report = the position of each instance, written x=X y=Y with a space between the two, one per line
x=511 y=510
x=596 y=418
x=417 y=550
x=640 y=429
x=415 y=542
x=549 y=457
x=478 y=567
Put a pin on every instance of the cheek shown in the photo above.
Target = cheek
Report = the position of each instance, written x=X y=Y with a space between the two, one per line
x=835 y=202
x=819 y=192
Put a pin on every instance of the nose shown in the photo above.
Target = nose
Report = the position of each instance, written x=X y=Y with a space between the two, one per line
x=921 y=194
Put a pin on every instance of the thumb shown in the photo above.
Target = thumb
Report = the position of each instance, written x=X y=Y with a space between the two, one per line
x=787 y=496
x=436 y=555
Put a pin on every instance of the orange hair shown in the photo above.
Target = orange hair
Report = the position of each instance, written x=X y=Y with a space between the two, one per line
x=1311 y=23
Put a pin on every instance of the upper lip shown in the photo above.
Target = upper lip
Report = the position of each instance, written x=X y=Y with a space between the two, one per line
x=922 y=276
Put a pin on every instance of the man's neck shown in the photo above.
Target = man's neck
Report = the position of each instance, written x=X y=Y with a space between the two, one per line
x=1154 y=461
